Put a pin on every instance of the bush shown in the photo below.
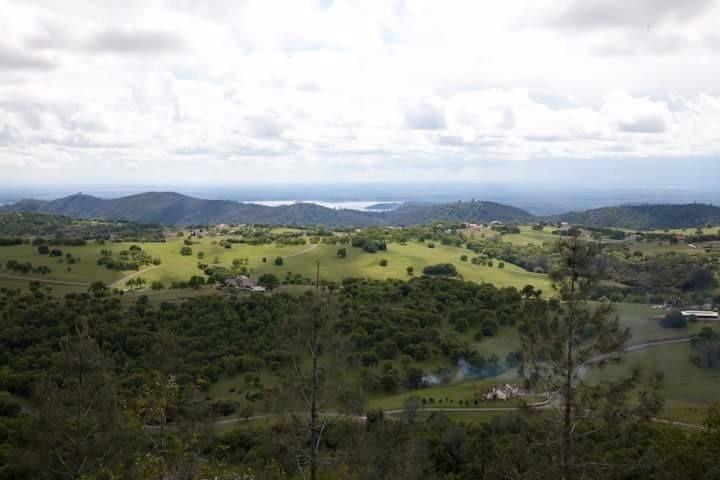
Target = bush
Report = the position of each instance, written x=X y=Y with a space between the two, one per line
x=674 y=319
x=279 y=261
x=157 y=285
x=186 y=251
x=441 y=269
x=43 y=249
x=383 y=263
x=268 y=281
x=463 y=258
x=341 y=253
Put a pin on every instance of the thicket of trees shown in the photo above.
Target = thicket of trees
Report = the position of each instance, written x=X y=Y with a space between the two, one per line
x=61 y=230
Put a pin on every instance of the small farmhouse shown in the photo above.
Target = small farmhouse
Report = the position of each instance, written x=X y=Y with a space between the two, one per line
x=504 y=392
x=241 y=281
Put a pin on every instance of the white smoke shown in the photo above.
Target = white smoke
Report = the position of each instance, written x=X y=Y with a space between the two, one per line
x=431 y=379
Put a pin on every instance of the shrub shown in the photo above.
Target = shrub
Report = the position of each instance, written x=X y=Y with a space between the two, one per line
x=279 y=261
x=441 y=269
x=186 y=251
x=383 y=263
x=463 y=258
x=43 y=249
x=674 y=319
x=268 y=281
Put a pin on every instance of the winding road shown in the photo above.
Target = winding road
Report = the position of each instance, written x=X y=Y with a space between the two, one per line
x=303 y=252
x=120 y=282
x=541 y=405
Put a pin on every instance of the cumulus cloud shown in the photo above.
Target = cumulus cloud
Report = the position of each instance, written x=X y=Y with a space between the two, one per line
x=636 y=115
x=9 y=135
x=636 y=13
x=135 y=41
x=425 y=116
x=353 y=90
x=14 y=59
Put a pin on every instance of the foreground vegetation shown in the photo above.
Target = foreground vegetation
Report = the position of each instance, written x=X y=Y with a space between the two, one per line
x=381 y=368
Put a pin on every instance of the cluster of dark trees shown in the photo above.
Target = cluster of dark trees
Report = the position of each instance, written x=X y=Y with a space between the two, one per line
x=706 y=349
x=441 y=269
x=66 y=230
x=369 y=244
x=662 y=272
x=9 y=242
x=26 y=267
x=131 y=259
x=531 y=257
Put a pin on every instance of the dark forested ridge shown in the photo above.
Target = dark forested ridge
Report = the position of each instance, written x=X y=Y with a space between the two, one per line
x=173 y=208
x=647 y=217
x=176 y=209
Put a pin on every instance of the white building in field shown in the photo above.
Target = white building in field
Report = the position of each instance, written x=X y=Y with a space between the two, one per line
x=701 y=314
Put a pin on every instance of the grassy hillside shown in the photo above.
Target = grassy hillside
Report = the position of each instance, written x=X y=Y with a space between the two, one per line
x=688 y=390
x=298 y=259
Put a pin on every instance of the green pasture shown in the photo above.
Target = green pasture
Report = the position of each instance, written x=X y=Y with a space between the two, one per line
x=529 y=236
x=298 y=259
x=688 y=389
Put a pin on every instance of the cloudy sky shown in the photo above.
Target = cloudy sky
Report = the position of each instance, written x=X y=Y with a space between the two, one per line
x=232 y=91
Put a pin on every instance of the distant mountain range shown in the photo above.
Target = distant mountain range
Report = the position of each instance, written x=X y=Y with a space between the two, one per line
x=175 y=209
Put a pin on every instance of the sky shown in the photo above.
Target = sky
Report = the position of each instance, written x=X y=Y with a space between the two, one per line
x=239 y=92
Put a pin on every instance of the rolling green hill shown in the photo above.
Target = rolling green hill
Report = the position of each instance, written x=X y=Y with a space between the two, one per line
x=647 y=217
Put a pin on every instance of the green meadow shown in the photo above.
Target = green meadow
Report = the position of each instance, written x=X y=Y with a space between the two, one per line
x=297 y=259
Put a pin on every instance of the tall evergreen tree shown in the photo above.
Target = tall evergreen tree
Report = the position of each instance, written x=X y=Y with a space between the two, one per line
x=77 y=428
x=561 y=340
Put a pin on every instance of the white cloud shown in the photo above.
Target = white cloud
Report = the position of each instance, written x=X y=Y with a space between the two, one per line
x=349 y=89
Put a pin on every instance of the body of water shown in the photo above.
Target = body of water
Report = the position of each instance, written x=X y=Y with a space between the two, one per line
x=362 y=205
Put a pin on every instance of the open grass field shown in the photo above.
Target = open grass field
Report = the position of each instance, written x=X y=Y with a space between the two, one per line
x=452 y=396
x=688 y=389
x=298 y=259
x=529 y=236
x=644 y=323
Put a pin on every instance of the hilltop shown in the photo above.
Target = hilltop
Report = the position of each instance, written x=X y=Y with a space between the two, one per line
x=646 y=217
